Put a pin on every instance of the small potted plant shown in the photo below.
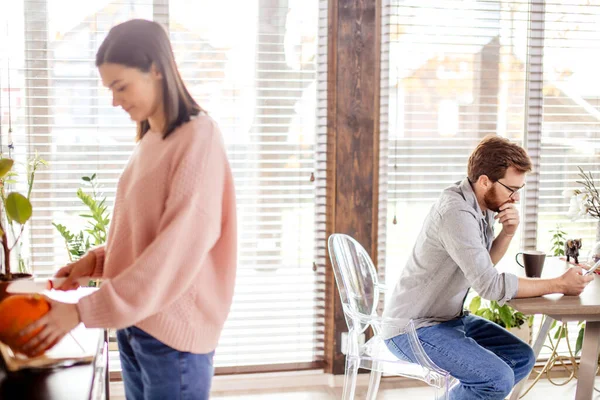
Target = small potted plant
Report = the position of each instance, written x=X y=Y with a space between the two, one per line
x=15 y=211
x=97 y=217
x=507 y=317
x=558 y=241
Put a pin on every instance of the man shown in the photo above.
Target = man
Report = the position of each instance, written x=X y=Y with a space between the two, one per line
x=456 y=250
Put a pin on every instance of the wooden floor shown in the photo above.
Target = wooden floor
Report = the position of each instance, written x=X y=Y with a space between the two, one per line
x=543 y=390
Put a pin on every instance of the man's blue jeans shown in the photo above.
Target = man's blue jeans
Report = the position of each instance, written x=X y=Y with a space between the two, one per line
x=154 y=371
x=486 y=359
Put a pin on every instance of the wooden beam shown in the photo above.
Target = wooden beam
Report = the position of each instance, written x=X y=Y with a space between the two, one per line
x=353 y=144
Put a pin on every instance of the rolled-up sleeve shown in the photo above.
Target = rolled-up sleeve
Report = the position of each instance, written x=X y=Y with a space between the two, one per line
x=461 y=237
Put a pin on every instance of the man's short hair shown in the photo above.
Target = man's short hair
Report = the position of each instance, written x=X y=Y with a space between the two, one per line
x=493 y=156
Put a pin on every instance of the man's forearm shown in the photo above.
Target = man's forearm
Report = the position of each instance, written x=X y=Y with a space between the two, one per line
x=499 y=247
x=533 y=287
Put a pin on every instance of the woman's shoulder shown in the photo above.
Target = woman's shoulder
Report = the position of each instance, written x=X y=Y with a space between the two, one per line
x=200 y=129
x=199 y=135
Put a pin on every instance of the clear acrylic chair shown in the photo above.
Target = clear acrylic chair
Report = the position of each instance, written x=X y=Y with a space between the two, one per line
x=359 y=289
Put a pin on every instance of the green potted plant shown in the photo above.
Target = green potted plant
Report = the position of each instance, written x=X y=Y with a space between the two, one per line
x=507 y=317
x=15 y=211
x=558 y=241
x=97 y=217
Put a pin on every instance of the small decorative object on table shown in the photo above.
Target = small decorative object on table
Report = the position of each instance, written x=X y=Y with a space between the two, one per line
x=572 y=247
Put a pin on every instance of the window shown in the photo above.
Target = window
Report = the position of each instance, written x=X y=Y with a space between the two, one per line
x=519 y=69
x=452 y=70
x=260 y=72
x=570 y=135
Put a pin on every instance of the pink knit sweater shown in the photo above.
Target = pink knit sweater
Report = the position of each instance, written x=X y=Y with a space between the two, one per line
x=170 y=259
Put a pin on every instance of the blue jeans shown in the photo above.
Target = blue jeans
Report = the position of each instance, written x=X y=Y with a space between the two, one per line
x=154 y=371
x=486 y=359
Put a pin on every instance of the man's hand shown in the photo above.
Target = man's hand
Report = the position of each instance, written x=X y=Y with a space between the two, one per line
x=509 y=218
x=573 y=282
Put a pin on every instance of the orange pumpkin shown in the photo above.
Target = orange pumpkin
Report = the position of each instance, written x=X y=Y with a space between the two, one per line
x=16 y=313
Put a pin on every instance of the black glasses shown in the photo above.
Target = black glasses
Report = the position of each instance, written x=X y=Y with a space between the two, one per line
x=512 y=191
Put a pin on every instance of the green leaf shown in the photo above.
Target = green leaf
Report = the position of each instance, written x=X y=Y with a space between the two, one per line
x=18 y=207
x=5 y=166
x=475 y=304
x=565 y=332
x=506 y=316
x=579 y=342
x=488 y=314
x=494 y=305
x=86 y=178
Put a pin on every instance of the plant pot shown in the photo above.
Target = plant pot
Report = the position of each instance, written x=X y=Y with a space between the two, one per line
x=4 y=282
x=523 y=332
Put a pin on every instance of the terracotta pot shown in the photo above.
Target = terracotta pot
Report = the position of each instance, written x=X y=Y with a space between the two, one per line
x=4 y=282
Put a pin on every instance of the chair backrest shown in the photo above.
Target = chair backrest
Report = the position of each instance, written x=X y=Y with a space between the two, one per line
x=356 y=279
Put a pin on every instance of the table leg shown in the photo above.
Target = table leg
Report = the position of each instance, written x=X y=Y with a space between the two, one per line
x=107 y=381
x=589 y=361
x=537 y=347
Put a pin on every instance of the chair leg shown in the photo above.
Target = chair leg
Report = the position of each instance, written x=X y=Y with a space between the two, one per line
x=350 y=378
x=373 y=385
x=442 y=393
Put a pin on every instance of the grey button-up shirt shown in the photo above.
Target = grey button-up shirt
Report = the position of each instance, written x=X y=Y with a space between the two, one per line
x=451 y=255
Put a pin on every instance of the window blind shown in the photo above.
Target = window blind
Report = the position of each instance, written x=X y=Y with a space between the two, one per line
x=456 y=71
x=452 y=73
x=570 y=124
x=570 y=135
x=261 y=73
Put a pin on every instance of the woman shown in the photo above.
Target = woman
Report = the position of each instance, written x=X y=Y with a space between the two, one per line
x=170 y=259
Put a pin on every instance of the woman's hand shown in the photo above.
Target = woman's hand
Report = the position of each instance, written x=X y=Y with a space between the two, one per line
x=58 y=322
x=81 y=268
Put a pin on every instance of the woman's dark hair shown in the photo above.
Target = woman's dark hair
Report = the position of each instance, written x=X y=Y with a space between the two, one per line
x=140 y=43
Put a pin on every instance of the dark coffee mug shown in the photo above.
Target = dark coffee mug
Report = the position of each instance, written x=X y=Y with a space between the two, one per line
x=533 y=262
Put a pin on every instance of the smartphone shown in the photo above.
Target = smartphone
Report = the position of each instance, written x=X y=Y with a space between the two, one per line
x=591 y=270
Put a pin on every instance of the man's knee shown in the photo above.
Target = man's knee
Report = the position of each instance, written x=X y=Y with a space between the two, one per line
x=497 y=384
x=504 y=384
x=528 y=364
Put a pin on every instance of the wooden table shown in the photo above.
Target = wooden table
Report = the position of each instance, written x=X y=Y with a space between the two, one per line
x=567 y=308
x=78 y=382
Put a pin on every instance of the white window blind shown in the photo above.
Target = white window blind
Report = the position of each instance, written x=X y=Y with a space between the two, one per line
x=570 y=123
x=453 y=72
x=456 y=71
x=260 y=72
x=571 y=114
